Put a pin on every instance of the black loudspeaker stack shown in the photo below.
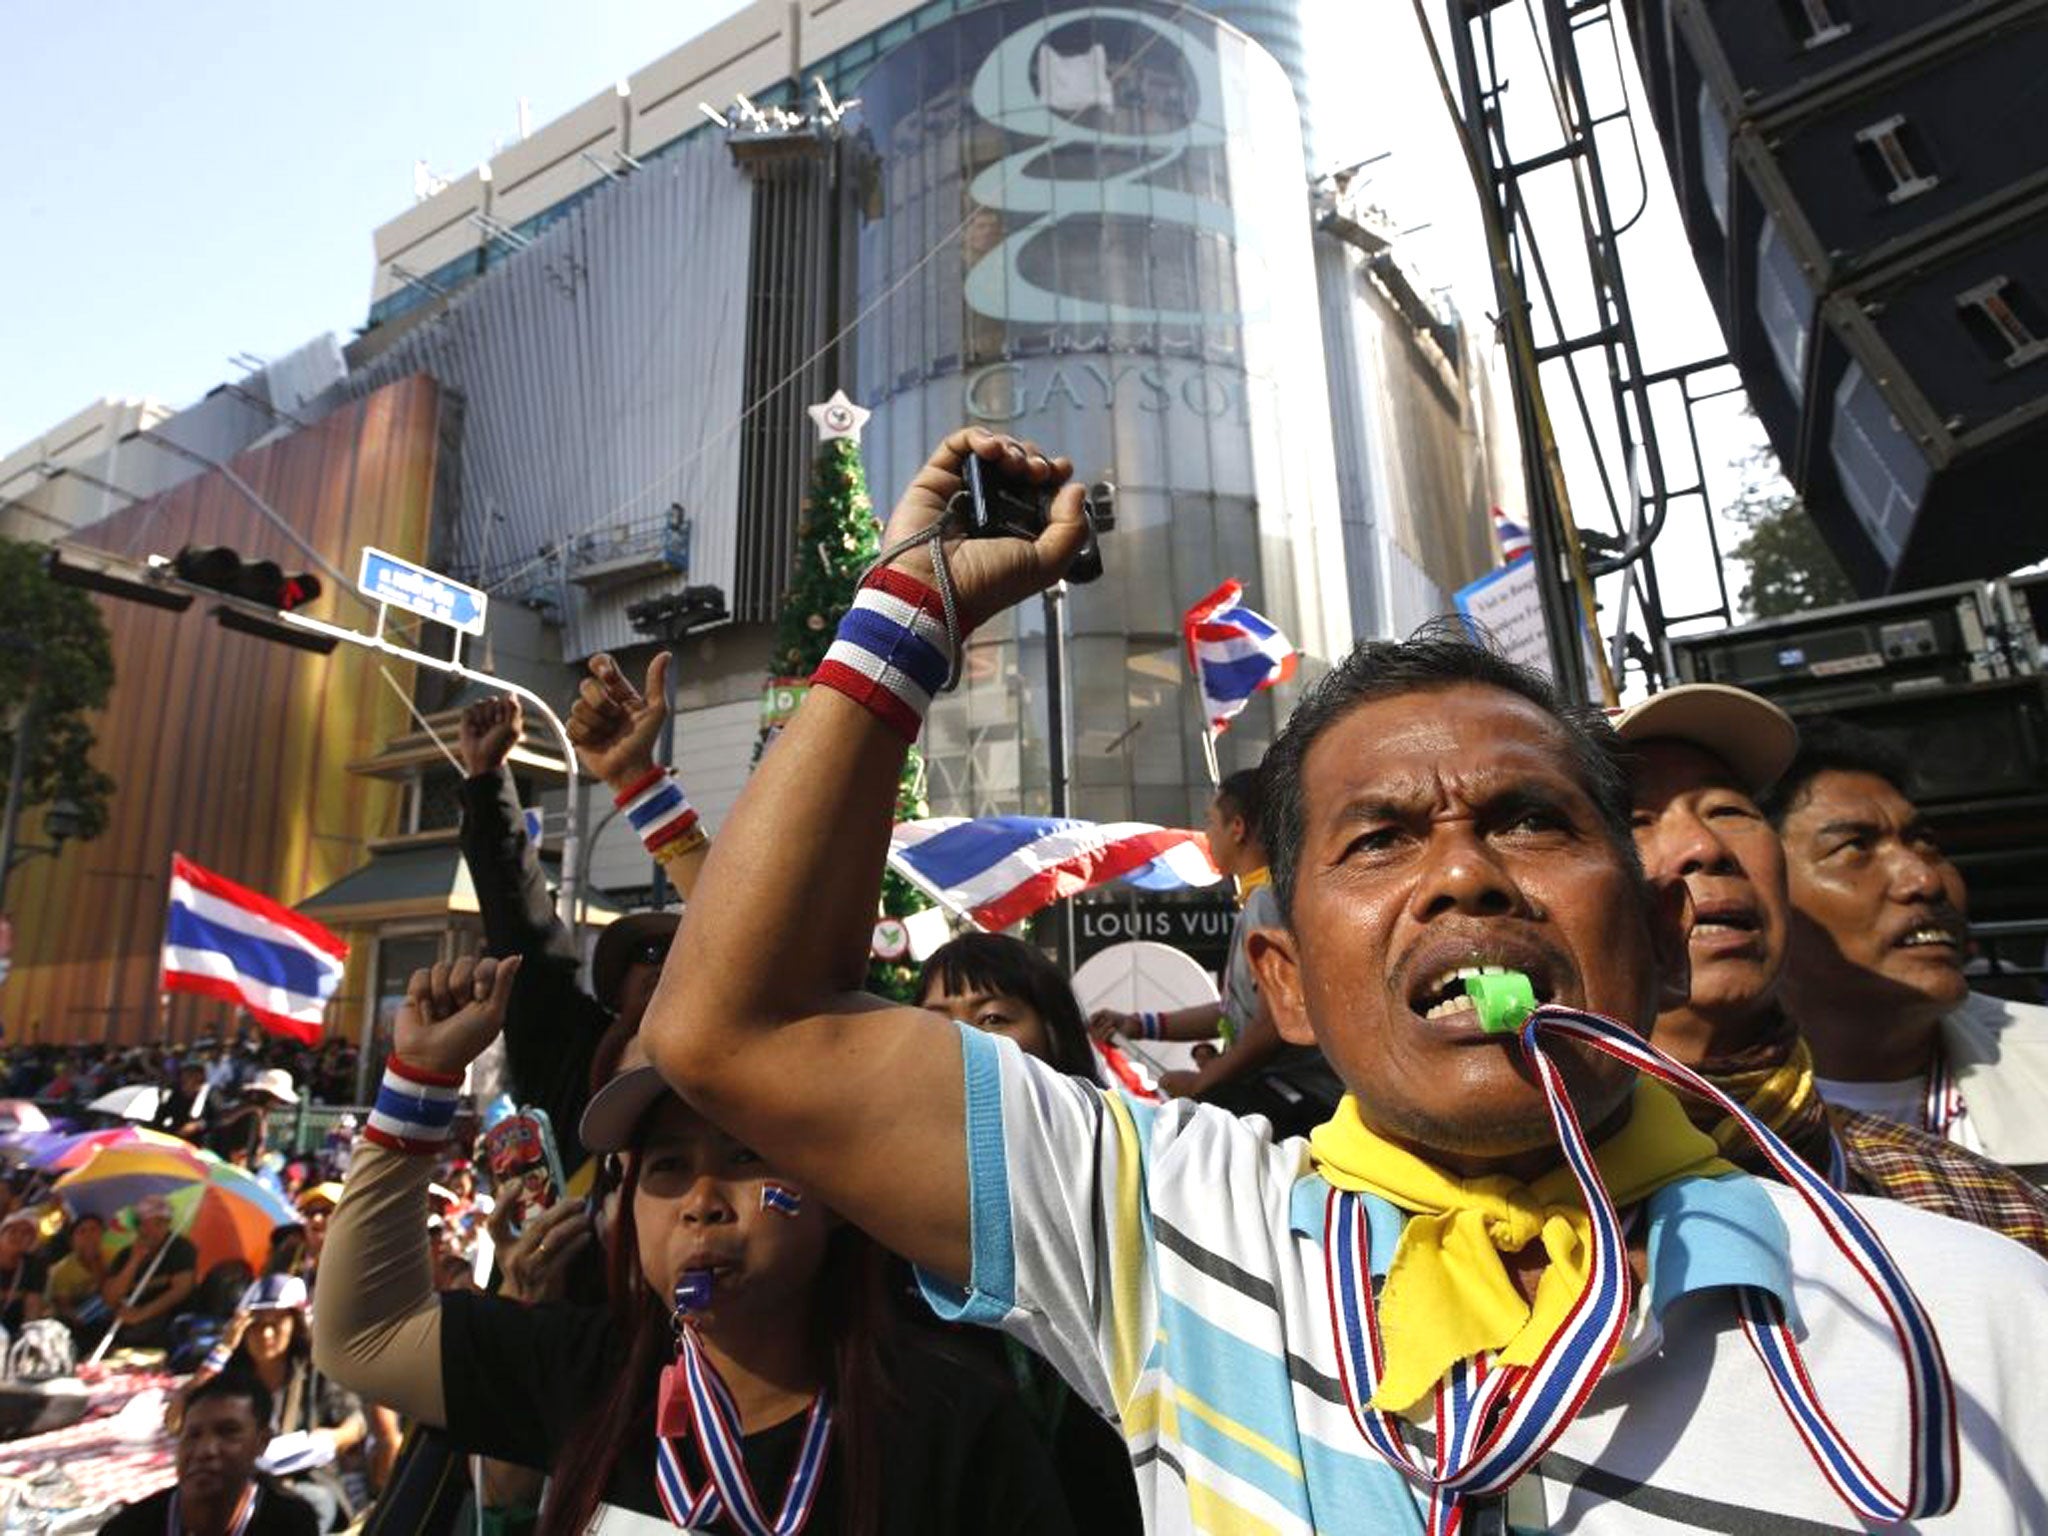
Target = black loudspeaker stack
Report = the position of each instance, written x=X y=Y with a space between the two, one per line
x=1956 y=678
x=1865 y=187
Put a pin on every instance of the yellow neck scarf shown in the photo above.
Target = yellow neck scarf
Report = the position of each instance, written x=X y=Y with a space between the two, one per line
x=1448 y=1296
x=1246 y=884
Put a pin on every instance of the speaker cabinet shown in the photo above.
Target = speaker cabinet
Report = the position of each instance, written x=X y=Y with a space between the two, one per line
x=1862 y=184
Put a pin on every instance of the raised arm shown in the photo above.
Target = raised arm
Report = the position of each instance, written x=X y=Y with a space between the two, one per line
x=759 y=1019
x=614 y=727
x=376 y=1319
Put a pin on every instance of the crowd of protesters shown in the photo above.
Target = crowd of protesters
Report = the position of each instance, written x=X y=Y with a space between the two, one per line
x=70 y=1076
x=801 y=1258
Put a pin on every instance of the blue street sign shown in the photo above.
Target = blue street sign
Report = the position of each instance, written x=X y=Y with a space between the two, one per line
x=401 y=584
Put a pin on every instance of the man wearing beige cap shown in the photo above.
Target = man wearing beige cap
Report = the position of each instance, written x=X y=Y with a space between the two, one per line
x=1705 y=755
x=1879 y=942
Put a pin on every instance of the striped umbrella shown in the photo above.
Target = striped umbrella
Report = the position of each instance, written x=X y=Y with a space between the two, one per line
x=224 y=1212
x=64 y=1153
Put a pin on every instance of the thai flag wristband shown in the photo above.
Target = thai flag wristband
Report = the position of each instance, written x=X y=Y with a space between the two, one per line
x=414 y=1108
x=1149 y=1026
x=891 y=654
x=661 y=813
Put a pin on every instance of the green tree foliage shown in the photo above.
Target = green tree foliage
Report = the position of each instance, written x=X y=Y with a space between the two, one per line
x=1788 y=567
x=56 y=667
x=837 y=539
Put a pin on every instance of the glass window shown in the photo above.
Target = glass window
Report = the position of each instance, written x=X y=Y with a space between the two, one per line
x=398 y=956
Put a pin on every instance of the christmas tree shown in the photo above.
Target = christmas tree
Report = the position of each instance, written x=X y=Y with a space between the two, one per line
x=837 y=540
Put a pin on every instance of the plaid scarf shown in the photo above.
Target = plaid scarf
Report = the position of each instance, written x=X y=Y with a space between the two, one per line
x=1773 y=1078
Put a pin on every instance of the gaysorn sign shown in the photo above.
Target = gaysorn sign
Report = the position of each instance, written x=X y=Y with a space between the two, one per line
x=1112 y=187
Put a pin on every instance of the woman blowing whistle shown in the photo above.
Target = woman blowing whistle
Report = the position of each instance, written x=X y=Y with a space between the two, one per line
x=745 y=1374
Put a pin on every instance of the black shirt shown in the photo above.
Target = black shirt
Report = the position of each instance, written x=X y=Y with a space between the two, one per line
x=959 y=1455
x=16 y=1286
x=277 y=1514
x=237 y=1132
x=177 y=1113
x=180 y=1257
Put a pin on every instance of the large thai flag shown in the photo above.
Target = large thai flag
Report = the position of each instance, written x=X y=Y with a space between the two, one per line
x=1513 y=538
x=224 y=940
x=1234 y=651
x=1001 y=869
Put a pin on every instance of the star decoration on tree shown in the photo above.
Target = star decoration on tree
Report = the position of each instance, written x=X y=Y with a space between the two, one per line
x=838 y=417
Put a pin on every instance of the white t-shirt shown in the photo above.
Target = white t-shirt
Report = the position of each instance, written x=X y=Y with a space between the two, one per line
x=1168 y=1261
x=1902 y=1103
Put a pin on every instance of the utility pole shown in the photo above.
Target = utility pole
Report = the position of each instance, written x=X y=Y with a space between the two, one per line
x=17 y=774
x=1056 y=747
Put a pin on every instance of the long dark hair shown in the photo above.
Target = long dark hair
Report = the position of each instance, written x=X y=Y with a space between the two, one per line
x=856 y=1321
x=995 y=962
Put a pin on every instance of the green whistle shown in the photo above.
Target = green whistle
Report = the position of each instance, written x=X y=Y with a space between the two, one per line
x=1503 y=1000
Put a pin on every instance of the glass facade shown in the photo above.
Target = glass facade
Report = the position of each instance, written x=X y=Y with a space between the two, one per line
x=1088 y=225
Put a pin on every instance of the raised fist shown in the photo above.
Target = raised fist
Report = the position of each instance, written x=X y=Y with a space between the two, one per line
x=452 y=1010
x=490 y=730
x=990 y=575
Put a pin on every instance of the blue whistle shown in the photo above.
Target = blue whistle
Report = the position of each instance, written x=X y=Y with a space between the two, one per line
x=693 y=1291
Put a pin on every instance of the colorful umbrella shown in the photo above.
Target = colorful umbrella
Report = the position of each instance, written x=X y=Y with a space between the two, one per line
x=133 y=1101
x=224 y=1212
x=19 y=1115
x=69 y=1152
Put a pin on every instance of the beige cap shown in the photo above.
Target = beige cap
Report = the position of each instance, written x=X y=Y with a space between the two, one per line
x=1748 y=733
x=615 y=1109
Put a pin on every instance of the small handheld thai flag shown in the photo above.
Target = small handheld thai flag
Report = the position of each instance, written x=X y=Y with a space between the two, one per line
x=1001 y=869
x=226 y=941
x=1234 y=652
x=1512 y=537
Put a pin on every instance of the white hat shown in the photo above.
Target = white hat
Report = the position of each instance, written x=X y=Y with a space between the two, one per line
x=274 y=1293
x=276 y=1082
x=1750 y=734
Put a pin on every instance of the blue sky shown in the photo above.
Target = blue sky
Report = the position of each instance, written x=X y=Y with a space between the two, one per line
x=184 y=182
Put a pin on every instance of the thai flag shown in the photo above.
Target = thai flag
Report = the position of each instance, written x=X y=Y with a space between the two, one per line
x=781 y=1199
x=1001 y=869
x=224 y=940
x=1512 y=537
x=1234 y=651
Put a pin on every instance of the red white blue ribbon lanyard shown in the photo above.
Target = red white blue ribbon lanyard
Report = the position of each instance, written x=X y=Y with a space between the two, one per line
x=1944 y=1104
x=245 y=1511
x=714 y=1424
x=1494 y=1422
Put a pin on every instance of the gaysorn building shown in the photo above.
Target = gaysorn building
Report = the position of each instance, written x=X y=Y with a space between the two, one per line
x=1085 y=225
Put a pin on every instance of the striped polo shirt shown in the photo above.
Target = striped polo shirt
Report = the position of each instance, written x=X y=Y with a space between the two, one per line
x=1168 y=1261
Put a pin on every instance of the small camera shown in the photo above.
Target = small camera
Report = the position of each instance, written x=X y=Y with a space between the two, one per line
x=1000 y=508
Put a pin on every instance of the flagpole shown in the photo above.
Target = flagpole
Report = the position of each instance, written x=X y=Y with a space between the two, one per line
x=1209 y=748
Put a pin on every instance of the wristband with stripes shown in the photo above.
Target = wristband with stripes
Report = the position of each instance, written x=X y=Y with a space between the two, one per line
x=659 y=810
x=891 y=654
x=414 y=1108
x=1149 y=1027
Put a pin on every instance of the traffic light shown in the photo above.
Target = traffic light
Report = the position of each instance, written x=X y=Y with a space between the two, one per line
x=258 y=581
